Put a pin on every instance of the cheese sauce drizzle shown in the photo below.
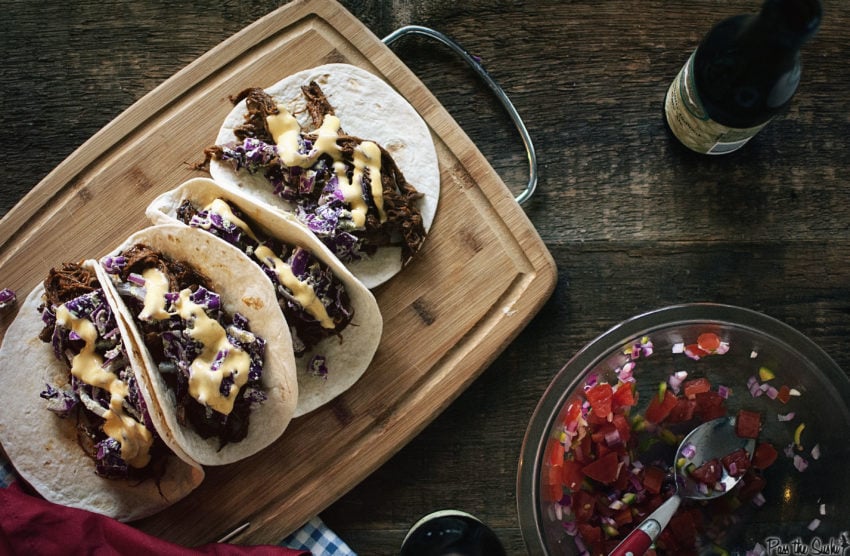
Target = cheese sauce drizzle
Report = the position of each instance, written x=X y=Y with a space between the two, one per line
x=135 y=439
x=218 y=359
x=367 y=156
x=303 y=292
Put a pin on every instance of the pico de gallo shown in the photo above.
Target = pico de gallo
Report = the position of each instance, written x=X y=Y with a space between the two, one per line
x=600 y=482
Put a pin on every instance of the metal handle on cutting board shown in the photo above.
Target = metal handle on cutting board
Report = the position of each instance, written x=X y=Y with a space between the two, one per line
x=497 y=90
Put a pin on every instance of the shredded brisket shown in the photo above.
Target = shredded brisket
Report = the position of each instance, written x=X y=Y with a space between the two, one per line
x=206 y=422
x=403 y=226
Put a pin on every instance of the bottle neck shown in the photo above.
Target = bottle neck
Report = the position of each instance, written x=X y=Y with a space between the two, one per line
x=789 y=23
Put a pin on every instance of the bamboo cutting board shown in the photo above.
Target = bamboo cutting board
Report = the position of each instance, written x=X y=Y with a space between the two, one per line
x=481 y=276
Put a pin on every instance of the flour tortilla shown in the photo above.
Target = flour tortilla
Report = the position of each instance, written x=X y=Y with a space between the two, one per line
x=348 y=356
x=43 y=447
x=245 y=290
x=369 y=108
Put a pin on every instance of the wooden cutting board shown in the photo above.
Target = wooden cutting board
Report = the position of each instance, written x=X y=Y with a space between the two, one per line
x=481 y=276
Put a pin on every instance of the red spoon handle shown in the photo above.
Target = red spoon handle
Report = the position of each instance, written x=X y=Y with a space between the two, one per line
x=636 y=544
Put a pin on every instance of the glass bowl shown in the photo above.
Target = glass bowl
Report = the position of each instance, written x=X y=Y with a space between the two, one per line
x=808 y=422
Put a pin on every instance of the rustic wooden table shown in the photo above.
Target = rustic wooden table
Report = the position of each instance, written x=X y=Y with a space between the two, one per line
x=633 y=221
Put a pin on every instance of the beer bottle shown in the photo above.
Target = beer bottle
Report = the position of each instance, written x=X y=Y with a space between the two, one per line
x=742 y=74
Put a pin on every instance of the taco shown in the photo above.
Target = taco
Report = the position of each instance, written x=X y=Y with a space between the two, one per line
x=216 y=351
x=345 y=153
x=90 y=442
x=334 y=319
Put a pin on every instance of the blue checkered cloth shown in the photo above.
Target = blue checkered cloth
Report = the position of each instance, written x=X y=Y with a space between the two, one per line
x=314 y=536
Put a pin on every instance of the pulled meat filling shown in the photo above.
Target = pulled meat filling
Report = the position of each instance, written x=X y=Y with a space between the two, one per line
x=330 y=290
x=63 y=284
x=207 y=422
x=403 y=226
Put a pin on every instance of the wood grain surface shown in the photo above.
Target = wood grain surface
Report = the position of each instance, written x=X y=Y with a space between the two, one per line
x=633 y=221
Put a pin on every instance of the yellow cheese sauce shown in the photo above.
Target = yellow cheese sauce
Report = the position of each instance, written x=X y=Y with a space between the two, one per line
x=303 y=293
x=135 y=439
x=367 y=156
x=156 y=286
x=204 y=378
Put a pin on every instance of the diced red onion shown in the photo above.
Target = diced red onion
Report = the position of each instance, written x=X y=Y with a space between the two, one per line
x=816 y=451
x=723 y=391
x=822 y=509
x=689 y=451
x=759 y=500
x=800 y=462
x=626 y=372
x=679 y=347
x=814 y=524
x=722 y=348
x=784 y=417
x=771 y=392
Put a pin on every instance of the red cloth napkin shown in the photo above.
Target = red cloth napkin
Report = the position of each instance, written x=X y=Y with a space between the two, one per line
x=30 y=525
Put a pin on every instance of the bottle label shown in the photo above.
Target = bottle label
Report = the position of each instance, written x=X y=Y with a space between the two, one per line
x=690 y=123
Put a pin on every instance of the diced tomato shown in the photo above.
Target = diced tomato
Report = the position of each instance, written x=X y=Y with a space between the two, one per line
x=751 y=484
x=623 y=517
x=748 y=424
x=604 y=469
x=658 y=410
x=600 y=398
x=764 y=455
x=600 y=432
x=551 y=479
x=624 y=395
x=737 y=461
x=595 y=420
x=684 y=530
x=556 y=451
x=590 y=534
x=784 y=393
x=653 y=478
x=554 y=493
x=583 y=504
x=708 y=473
x=551 y=475
x=695 y=352
x=573 y=414
x=683 y=411
x=571 y=475
x=623 y=427
x=708 y=341
x=584 y=450
x=710 y=405
x=691 y=388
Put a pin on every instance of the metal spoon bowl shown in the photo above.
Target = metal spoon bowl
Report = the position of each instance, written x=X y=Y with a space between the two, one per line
x=709 y=441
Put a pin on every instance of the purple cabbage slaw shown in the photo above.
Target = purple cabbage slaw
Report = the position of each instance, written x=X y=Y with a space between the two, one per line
x=327 y=215
x=7 y=298
x=180 y=349
x=305 y=266
x=64 y=400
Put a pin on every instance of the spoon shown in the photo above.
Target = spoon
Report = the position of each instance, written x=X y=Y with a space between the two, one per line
x=711 y=440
